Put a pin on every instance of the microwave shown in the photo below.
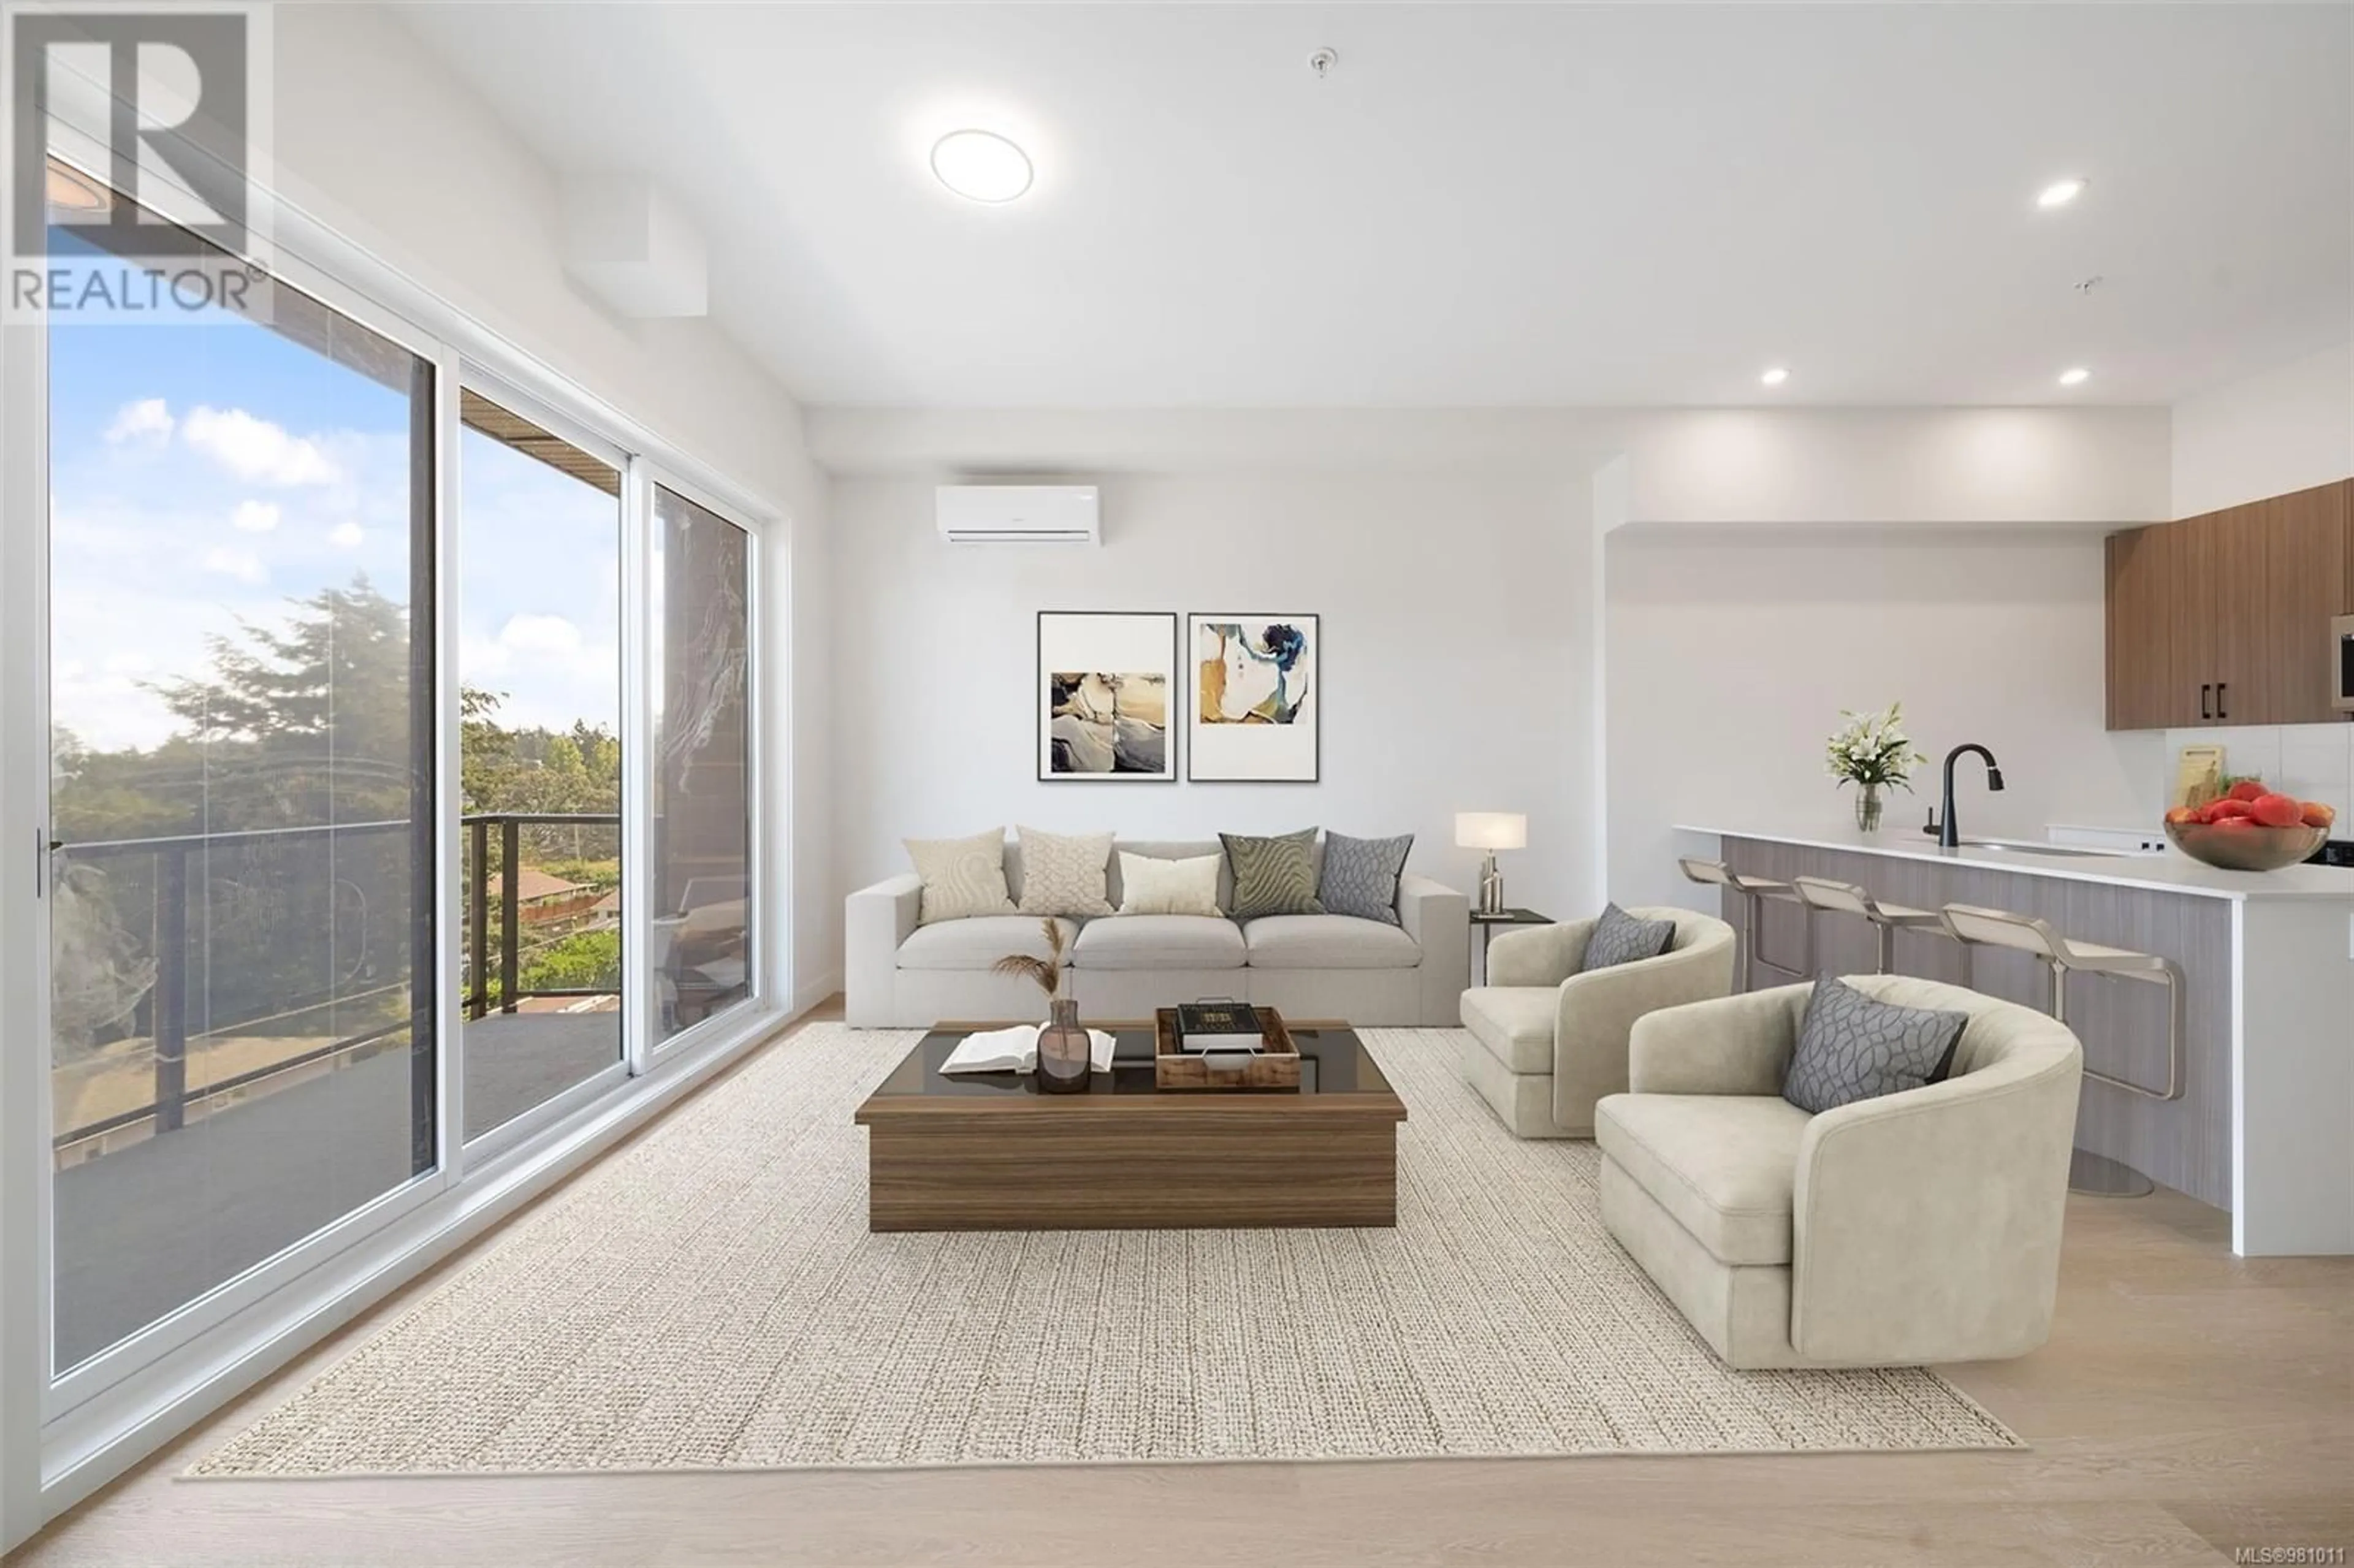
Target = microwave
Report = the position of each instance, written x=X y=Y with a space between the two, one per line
x=2341 y=664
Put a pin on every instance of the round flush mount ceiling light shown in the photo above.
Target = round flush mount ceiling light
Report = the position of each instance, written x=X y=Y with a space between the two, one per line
x=2075 y=376
x=69 y=190
x=1775 y=376
x=2060 y=192
x=981 y=166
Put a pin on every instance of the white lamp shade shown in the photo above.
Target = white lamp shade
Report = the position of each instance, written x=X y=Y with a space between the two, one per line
x=1491 y=829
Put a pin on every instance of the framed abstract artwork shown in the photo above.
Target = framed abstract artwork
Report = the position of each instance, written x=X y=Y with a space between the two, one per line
x=1106 y=695
x=1257 y=698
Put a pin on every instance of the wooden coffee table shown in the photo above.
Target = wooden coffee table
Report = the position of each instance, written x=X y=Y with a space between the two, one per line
x=987 y=1151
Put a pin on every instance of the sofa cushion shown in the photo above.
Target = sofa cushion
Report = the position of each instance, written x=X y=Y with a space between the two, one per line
x=1621 y=938
x=1328 y=942
x=1723 y=1165
x=1856 y=1047
x=1272 y=876
x=1514 y=1023
x=1149 y=886
x=1061 y=874
x=1158 y=942
x=963 y=877
x=977 y=943
x=1361 y=876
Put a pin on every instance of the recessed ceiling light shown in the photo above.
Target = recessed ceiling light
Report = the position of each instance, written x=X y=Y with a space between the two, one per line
x=69 y=190
x=2076 y=376
x=981 y=166
x=1776 y=376
x=2060 y=192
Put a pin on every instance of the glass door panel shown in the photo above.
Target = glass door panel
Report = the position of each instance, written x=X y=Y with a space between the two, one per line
x=699 y=942
x=540 y=671
x=242 y=909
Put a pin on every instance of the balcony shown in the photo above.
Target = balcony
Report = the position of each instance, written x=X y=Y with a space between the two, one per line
x=239 y=1102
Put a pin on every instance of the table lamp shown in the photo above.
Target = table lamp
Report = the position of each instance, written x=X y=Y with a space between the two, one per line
x=1490 y=831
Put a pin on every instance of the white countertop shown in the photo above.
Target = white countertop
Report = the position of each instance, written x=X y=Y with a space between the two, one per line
x=2171 y=872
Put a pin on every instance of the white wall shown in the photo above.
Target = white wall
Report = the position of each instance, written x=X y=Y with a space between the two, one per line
x=2285 y=429
x=1729 y=657
x=1456 y=659
x=377 y=139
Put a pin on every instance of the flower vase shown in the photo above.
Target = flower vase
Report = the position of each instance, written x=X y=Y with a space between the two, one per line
x=1064 y=1053
x=1866 y=808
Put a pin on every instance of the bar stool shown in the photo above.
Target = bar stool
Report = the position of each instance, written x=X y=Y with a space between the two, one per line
x=1752 y=890
x=2061 y=957
x=1820 y=893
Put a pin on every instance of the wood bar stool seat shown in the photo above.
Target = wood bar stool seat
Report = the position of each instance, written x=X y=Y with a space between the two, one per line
x=1752 y=890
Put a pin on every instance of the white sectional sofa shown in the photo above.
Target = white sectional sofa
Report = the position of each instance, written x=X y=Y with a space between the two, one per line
x=903 y=975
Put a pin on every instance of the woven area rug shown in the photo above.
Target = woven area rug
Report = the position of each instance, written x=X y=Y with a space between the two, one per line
x=711 y=1299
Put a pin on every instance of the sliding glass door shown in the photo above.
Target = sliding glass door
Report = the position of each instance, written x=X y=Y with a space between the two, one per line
x=242 y=714
x=539 y=667
x=699 y=948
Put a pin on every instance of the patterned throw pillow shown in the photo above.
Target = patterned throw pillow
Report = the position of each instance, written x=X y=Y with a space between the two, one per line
x=1063 y=873
x=1361 y=876
x=1153 y=886
x=1856 y=1047
x=1620 y=938
x=1273 y=876
x=963 y=877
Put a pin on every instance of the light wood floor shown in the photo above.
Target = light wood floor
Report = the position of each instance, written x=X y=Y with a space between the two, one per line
x=2188 y=1403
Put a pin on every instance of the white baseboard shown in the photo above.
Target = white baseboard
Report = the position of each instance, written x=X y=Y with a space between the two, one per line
x=816 y=991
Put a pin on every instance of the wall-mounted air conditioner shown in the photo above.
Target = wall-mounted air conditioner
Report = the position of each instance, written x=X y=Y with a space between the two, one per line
x=1019 y=514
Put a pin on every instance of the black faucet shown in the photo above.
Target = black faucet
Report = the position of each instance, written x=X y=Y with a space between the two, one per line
x=1943 y=825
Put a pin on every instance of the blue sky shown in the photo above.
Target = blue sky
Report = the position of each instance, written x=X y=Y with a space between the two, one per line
x=200 y=474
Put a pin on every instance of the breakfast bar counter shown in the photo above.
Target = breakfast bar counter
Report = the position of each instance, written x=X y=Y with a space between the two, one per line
x=2265 y=1127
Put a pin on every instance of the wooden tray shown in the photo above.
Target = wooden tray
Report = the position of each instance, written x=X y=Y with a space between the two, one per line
x=1276 y=1067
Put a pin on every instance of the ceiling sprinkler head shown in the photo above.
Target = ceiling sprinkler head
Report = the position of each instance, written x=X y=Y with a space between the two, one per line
x=1322 y=62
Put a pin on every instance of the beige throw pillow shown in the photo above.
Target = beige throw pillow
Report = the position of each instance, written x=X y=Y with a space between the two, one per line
x=1149 y=886
x=1063 y=873
x=963 y=877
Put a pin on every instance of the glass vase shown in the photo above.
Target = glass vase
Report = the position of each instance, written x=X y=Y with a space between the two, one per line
x=1064 y=1055
x=1866 y=808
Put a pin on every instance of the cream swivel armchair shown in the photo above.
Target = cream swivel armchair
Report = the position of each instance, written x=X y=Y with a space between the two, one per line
x=1546 y=1041
x=1915 y=1227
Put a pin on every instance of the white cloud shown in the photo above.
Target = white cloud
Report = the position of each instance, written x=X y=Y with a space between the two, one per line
x=243 y=565
x=347 y=536
x=146 y=422
x=255 y=450
x=256 y=516
x=540 y=634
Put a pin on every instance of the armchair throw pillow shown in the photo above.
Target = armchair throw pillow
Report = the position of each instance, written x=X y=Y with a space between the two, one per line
x=1856 y=1047
x=1621 y=938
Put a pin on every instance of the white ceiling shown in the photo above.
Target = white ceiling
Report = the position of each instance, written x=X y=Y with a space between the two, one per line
x=1481 y=205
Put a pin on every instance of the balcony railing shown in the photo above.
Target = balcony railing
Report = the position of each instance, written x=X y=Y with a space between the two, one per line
x=166 y=1009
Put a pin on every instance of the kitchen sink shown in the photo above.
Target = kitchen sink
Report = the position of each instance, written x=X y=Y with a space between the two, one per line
x=2056 y=852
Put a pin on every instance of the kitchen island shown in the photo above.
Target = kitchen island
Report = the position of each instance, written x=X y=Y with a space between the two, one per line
x=2264 y=1126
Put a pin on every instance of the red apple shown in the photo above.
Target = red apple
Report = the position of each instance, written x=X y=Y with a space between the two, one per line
x=2246 y=790
x=2314 y=814
x=2229 y=809
x=2179 y=815
x=2276 y=810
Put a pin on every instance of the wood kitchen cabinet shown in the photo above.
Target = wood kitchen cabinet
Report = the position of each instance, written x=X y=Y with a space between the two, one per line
x=2223 y=618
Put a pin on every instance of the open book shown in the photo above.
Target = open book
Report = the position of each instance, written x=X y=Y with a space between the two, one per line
x=1015 y=1050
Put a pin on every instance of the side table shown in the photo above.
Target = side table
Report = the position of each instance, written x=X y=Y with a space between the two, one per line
x=1486 y=924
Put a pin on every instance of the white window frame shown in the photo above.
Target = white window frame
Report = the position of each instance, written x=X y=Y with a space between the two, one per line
x=59 y=1444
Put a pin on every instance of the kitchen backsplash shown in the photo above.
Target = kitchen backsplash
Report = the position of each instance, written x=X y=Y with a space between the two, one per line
x=2310 y=761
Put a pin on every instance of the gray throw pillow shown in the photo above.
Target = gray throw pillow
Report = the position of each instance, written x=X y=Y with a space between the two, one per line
x=1855 y=1048
x=1361 y=876
x=1273 y=876
x=1620 y=938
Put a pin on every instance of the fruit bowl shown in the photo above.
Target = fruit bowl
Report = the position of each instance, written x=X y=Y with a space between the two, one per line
x=2242 y=845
